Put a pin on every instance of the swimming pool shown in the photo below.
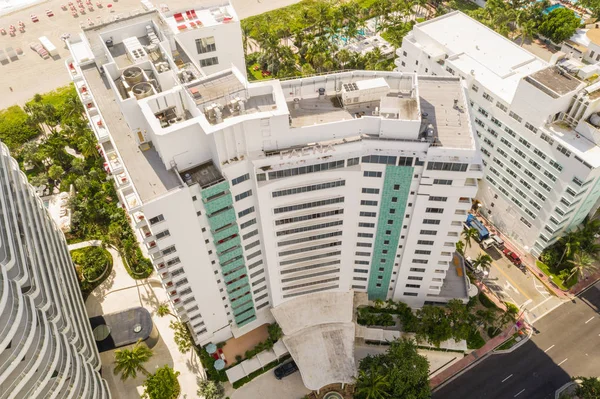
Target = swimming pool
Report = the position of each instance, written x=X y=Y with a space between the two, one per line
x=552 y=8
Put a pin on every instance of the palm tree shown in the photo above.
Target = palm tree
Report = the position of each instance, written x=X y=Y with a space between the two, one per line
x=483 y=260
x=469 y=234
x=527 y=30
x=486 y=317
x=571 y=243
x=129 y=361
x=372 y=385
x=163 y=309
x=87 y=145
x=583 y=264
x=460 y=247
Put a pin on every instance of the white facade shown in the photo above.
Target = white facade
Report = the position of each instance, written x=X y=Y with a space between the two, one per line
x=47 y=346
x=536 y=126
x=246 y=194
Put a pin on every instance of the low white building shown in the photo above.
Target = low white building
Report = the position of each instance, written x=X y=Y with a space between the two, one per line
x=246 y=195
x=537 y=127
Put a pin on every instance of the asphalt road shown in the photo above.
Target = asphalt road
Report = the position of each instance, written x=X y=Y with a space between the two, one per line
x=511 y=284
x=568 y=344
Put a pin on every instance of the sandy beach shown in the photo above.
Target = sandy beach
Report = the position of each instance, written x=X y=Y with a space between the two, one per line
x=30 y=74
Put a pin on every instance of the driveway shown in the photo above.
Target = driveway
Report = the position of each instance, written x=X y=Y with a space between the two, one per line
x=515 y=286
x=267 y=386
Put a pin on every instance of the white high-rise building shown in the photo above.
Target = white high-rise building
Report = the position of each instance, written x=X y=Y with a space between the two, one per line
x=46 y=344
x=537 y=126
x=247 y=194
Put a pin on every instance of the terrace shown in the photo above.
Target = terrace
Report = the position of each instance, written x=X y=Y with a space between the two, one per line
x=205 y=175
x=200 y=17
x=554 y=81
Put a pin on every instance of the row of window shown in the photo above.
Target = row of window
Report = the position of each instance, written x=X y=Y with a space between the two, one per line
x=306 y=189
x=307 y=205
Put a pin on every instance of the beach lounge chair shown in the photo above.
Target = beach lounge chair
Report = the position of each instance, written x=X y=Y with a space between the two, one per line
x=3 y=57
x=34 y=18
x=178 y=17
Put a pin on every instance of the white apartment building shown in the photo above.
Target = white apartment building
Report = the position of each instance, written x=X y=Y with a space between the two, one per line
x=246 y=195
x=47 y=348
x=537 y=127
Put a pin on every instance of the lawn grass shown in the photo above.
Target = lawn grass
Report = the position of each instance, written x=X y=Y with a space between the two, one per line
x=463 y=5
x=556 y=279
x=254 y=75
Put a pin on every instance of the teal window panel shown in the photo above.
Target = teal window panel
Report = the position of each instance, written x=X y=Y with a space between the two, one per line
x=243 y=308
x=237 y=303
x=249 y=315
x=224 y=247
x=216 y=189
x=222 y=219
x=240 y=283
x=235 y=275
x=232 y=266
x=230 y=255
x=228 y=232
x=394 y=175
x=220 y=203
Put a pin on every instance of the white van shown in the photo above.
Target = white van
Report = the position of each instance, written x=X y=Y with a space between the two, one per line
x=499 y=241
x=488 y=242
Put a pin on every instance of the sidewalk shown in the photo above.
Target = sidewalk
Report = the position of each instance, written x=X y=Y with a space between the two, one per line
x=490 y=294
x=528 y=260
x=471 y=358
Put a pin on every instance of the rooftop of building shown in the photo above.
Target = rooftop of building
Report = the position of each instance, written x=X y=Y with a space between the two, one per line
x=225 y=94
x=554 y=81
x=441 y=104
x=593 y=35
x=205 y=174
x=477 y=50
x=191 y=18
x=455 y=282
x=146 y=169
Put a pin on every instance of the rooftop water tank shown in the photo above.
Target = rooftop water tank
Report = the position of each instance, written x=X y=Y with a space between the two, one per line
x=142 y=90
x=595 y=119
x=133 y=75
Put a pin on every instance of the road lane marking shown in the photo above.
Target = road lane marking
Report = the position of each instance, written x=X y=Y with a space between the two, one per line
x=544 y=301
x=549 y=349
x=507 y=378
x=512 y=283
x=591 y=318
x=520 y=392
x=527 y=302
x=562 y=362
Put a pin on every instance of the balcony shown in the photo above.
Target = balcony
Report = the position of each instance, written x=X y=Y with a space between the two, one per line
x=470 y=182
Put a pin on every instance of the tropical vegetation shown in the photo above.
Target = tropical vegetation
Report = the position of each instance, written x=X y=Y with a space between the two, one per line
x=128 y=362
x=51 y=139
x=587 y=388
x=575 y=255
x=435 y=324
x=91 y=263
x=208 y=389
x=399 y=373
x=182 y=336
x=163 y=384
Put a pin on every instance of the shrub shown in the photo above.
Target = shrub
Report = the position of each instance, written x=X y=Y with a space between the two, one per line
x=92 y=260
x=493 y=331
x=16 y=127
x=475 y=340
x=485 y=301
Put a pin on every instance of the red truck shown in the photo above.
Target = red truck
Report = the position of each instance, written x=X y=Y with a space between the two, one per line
x=513 y=257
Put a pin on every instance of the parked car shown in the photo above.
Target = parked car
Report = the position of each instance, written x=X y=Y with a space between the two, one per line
x=285 y=369
x=513 y=257
x=499 y=241
x=489 y=242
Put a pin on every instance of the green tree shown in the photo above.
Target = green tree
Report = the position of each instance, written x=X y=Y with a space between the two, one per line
x=583 y=264
x=164 y=309
x=128 y=362
x=39 y=180
x=16 y=127
x=406 y=372
x=372 y=384
x=589 y=388
x=460 y=247
x=87 y=145
x=434 y=325
x=55 y=172
x=469 y=235
x=183 y=338
x=275 y=332
x=483 y=260
x=162 y=384
x=559 y=24
x=210 y=389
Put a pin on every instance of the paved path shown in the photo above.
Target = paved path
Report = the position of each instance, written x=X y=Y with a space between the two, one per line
x=266 y=386
x=567 y=345
x=118 y=292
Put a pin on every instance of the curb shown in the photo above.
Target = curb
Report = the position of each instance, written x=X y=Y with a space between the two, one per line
x=566 y=295
x=461 y=372
x=515 y=346
x=560 y=390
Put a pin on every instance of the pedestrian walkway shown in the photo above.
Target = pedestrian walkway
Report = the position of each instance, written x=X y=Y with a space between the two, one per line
x=471 y=358
x=490 y=294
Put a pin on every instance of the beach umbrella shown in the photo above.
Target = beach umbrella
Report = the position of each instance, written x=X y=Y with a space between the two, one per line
x=220 y=364
x=211 y=348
